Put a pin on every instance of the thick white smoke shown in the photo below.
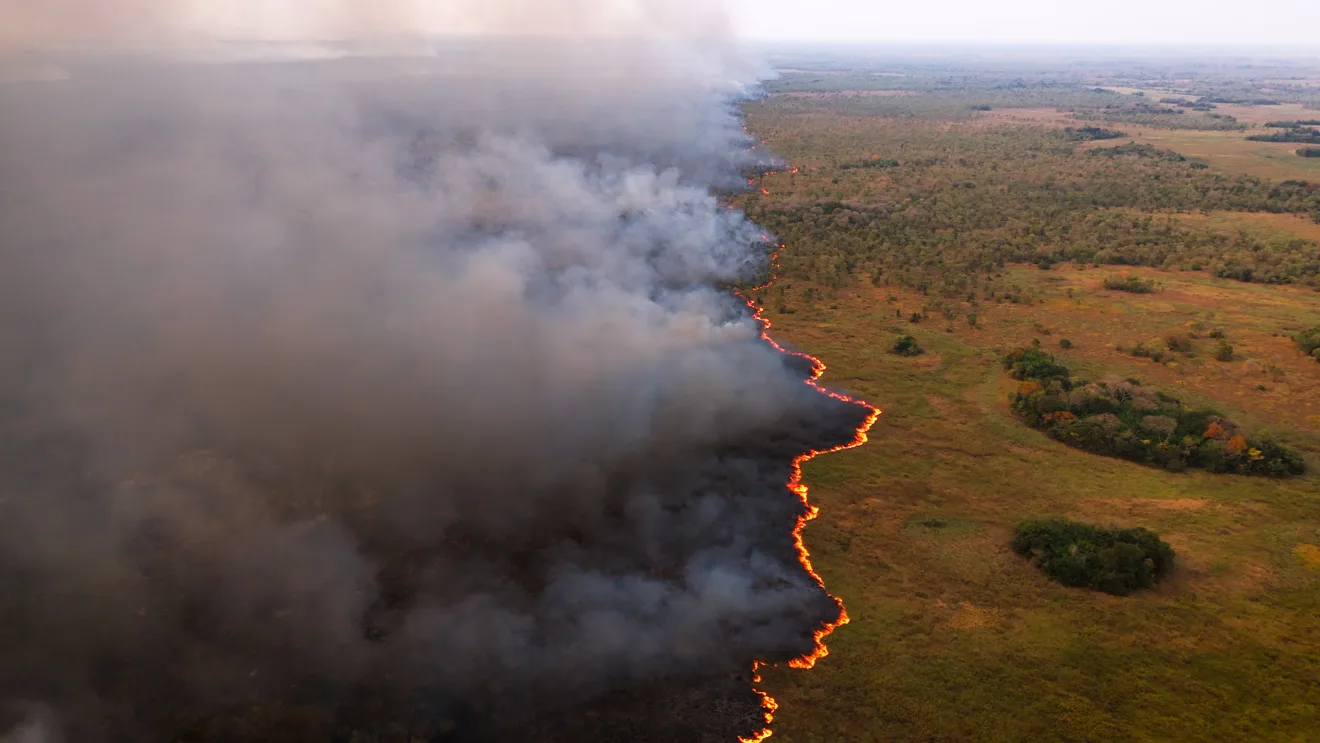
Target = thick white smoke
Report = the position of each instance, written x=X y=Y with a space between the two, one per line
x=402 y=383
x=174 y=23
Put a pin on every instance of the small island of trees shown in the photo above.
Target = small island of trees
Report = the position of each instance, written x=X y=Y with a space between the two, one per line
x=1091 y=133
x=1122 y=418
x=1297 y=134
x=1116 y=561
x=1292 y=124
x=1130 y=284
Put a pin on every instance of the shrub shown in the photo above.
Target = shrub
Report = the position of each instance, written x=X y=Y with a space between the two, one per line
x=1133 y=284
x=1308 y=341
x=1033 y=363
x=1224 y=352
x=1116 y=561
x=1179 y=343
x=906 y=345
x=1141 y=350
x=1065 y=344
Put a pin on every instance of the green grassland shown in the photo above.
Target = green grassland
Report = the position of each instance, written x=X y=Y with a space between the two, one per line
x=953 y=637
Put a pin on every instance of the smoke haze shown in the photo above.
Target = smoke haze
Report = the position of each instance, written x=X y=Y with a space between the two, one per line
x=116 y=22
x=402 y=387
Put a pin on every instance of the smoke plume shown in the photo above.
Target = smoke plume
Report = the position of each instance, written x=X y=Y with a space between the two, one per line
x=398 y=387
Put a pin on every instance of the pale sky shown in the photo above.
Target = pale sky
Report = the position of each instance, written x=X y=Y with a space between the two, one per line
x=1280 y=23
x=1181 y=22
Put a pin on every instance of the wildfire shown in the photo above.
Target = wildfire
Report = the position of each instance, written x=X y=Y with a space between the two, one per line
x=795 y=484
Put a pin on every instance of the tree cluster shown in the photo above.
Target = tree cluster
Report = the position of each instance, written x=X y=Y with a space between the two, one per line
x=1131 y=284
x=906 y=345
x=1297 y=135
x=1122 y=418
x=1308 y=342
x=1189 y=105
x=1138 y=150
x=1115 y=561
x=875 y=162
x=1092 y=133
x=1162 y=117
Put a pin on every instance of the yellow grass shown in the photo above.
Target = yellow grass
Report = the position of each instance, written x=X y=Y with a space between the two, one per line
x=1261 y=224
x=1229 y=152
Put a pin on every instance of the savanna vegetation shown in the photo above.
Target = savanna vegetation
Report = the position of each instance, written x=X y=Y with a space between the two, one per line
x=1297 y=134
x=989 y=227
x=897 y=202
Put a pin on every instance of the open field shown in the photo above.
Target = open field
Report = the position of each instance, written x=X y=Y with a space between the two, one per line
x=955 y=638
x=1259 y=115
x=1261 y=223
x=1229 y=152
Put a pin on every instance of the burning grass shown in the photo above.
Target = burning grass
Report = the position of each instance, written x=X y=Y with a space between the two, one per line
x=795 y=484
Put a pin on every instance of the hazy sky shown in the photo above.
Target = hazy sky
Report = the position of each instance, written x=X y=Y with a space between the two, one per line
x=1282 y=22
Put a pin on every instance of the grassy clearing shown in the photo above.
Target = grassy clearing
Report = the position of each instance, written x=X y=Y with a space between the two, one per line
x=955 y=638
x=1261 y=224
x=1229 y=152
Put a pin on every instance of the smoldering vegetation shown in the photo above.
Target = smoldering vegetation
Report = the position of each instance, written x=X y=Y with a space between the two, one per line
x=390 y=399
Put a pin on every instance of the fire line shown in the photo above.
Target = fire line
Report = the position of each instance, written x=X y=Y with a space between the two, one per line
x=795 y=484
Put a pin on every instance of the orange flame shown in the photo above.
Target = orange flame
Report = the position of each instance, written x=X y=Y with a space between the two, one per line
x=795 y=484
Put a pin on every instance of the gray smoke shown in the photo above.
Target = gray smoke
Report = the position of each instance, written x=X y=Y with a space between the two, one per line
x=402 y=383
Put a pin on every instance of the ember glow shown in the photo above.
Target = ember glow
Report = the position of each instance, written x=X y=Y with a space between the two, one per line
x=795 y=484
